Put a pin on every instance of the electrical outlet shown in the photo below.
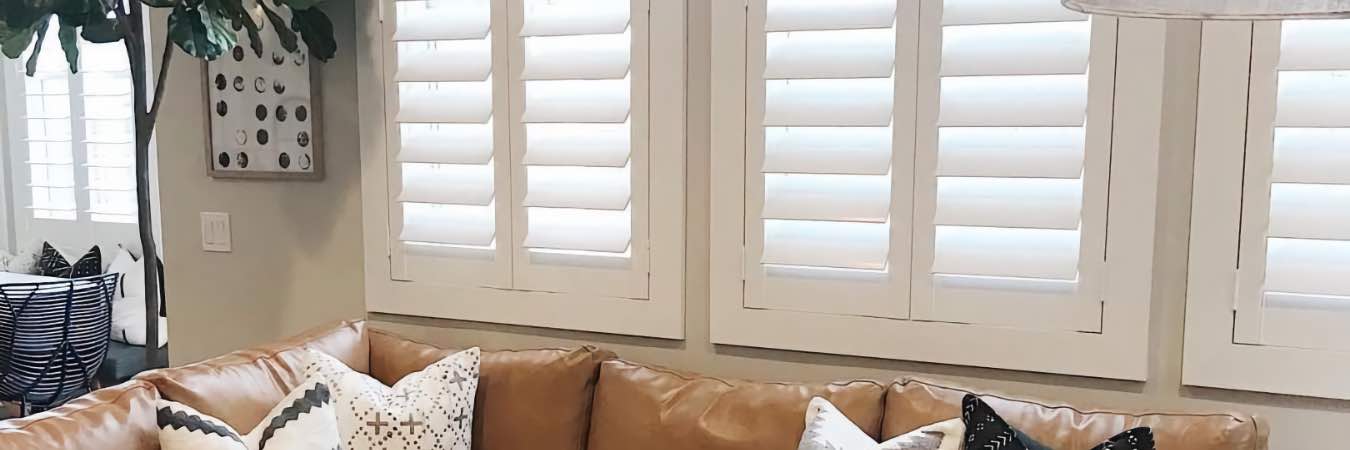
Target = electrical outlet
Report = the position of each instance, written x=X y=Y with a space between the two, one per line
x=216 y=232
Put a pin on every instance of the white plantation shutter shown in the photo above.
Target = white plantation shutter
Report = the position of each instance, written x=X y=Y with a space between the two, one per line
x=73 y=146
x=451 y=157
x=518 y=133
x=1012 y=164
x=109 y=132
x=826 y=145
x=48 y=117
x=579 y=139
x=1292 y=288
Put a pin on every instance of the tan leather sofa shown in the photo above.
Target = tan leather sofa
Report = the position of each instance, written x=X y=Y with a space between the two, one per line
x=584 y=399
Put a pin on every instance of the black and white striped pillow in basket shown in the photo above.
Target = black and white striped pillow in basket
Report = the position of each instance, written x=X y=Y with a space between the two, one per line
x=304 y=420
x=985 y=430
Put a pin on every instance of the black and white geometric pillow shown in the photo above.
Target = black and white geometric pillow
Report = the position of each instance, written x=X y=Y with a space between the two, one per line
x=430 y=409
x=51 y=263
x=986 y=430
x=303 y=420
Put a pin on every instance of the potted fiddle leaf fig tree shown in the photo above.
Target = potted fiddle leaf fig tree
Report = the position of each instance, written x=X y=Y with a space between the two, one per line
x=203 y=29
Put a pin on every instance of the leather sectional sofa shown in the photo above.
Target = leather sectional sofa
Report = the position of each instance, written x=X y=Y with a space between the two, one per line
x=585 y=399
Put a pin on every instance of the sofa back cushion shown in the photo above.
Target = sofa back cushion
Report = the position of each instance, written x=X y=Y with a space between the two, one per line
x=649 y=408
x=118 y=417
x=241 y=387
x=527 y=399
x=911 y=404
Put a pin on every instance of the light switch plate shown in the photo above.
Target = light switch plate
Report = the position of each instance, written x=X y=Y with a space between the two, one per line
x=216 y=232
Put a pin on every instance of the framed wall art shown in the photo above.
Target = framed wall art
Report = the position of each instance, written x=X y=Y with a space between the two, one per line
x=264 y=112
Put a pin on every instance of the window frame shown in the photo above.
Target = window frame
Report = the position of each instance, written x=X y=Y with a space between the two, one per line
x=661 y=315
x=1212 y=358
x=1119 y=351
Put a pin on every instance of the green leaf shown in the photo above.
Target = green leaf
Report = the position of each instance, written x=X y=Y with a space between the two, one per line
x=25 y=14
x=200 y=33
x=317 y=31
x=240 y=20
x=41 y=32
x=218 y=31
x=297 y=5
x=283 y=32
x=16 y=43
x=70 y=44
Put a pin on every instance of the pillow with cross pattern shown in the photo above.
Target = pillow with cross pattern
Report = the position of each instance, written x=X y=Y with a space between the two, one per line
x=430 y=409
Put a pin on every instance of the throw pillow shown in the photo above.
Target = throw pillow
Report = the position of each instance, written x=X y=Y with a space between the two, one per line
x=128 y=317
x=303 y=420
x=131 y=274
x=51 y=263
x=986 y=430
x=829 y=429
x=431 y=409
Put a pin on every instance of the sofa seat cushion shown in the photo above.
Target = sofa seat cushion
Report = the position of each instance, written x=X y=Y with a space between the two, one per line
x=241 y=387
x=526 y=400
x=911 y=404
x=118 y=417
x=649 y=408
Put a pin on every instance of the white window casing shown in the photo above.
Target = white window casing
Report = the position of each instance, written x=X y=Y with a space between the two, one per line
x=1268 y=306
x=515 y=159
x=935 y=186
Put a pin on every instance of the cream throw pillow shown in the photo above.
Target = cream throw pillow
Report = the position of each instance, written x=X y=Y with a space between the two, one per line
x=828 y=429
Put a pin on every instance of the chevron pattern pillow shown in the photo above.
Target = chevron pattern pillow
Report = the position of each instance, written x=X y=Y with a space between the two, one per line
x=827 y=428
x=985 y=430
x=304 y=420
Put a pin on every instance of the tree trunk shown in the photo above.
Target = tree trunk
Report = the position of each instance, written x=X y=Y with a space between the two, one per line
x=145 y=127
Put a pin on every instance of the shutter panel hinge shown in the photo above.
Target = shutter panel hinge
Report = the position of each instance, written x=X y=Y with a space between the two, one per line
x=1233 y=294
x=379 y=7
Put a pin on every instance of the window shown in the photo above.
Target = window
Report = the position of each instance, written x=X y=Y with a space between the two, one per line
x=893 y=172
x=535 y=150
x=1269 y=303
x=71 y=146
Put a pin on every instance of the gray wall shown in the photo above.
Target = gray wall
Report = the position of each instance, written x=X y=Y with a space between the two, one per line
x=297 y=245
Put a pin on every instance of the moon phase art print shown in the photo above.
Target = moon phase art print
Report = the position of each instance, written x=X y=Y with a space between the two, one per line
x=263 y=111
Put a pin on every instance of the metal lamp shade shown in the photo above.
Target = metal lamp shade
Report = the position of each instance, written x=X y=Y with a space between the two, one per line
x=1216 y=9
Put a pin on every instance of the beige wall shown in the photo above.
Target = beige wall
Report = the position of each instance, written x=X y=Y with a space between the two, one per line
x=297 y=263
x=297 y=245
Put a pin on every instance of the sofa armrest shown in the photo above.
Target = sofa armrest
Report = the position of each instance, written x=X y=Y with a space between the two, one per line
x=118 y=417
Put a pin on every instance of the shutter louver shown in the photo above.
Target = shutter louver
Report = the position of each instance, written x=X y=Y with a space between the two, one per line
x=576 y=120
x=822 y=146
x=1012 y=168
x=443 y=51
x=1299 y=292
